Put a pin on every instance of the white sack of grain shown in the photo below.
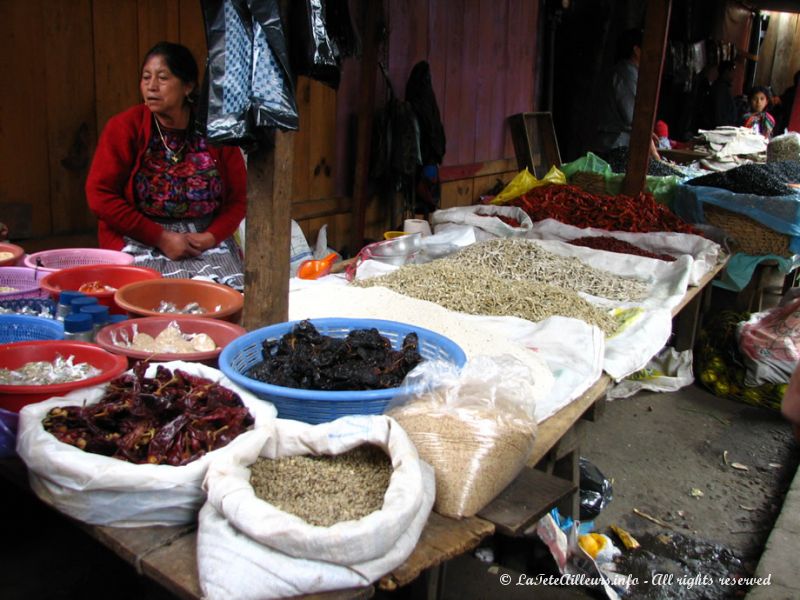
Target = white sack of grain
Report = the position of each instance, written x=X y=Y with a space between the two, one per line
x=485 y=219
x=249 y=549
x=476 y=428
x=102 y=490
x=784 y=147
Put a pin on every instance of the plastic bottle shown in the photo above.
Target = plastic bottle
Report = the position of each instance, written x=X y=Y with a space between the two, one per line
x=116 y=319
x=76 y=304
x=78 y=327
x=99 y=314
x=64 y=300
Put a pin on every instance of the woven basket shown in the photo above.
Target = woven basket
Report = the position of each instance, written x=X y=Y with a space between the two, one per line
x=749 y=236
x=594 y=183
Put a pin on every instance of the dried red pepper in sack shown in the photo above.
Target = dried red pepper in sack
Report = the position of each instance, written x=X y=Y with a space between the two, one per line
x=611 y=244
x=572 y=205
x=173 y=418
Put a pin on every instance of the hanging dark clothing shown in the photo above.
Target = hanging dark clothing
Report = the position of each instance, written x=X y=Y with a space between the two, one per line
x=419 y=92
x=722 y=106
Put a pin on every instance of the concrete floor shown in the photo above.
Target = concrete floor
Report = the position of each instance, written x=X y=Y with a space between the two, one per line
x=657 y=449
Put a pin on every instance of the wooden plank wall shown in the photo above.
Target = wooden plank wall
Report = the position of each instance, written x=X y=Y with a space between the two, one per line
x=70 y=65
x=483 y=69
x=65 y=89
x=779 y=58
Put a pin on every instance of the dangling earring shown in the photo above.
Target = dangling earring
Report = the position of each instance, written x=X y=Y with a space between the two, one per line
x=189 y=99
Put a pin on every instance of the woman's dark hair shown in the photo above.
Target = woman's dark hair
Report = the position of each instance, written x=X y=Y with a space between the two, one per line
x=180 y=61
x=764 y=90
x=726 y=66
x=627 y=41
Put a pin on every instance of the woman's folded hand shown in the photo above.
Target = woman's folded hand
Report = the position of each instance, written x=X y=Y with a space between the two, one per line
x=176 y=246
x=201 y=241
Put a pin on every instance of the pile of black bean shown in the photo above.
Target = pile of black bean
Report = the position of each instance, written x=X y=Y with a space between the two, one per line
x=618 y=159
x=768 y=179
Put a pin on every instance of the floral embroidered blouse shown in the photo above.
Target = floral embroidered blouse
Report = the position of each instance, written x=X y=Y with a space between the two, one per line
x=764 y=121
x=181 y=184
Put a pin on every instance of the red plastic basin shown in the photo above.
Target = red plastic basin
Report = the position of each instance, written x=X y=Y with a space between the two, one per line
x=13 y=356
x=116 y=276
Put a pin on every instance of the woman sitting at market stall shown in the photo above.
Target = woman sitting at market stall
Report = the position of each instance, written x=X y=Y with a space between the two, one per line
x=159 y=190
x=758 y=119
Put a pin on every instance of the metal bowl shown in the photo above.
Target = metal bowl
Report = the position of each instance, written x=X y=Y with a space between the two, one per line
x=397 y=247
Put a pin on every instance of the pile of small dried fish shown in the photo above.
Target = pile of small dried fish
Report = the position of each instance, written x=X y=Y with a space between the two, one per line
x=477 y=290
x=61 y=370
x=525 y=260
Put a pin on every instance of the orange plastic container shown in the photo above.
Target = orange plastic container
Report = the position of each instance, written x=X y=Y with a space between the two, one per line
x=116 y=276
x=222 y=332
x=16 y=252
x=141 y=299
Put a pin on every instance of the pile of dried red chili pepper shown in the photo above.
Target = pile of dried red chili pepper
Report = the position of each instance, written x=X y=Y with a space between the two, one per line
x=510 y=221
x=574 y=206
x=173 y=418
x=611 y=244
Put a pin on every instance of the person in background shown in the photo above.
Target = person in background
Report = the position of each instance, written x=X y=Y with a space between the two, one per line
x=160 y=191
x=721 y=108
x=758 y=119
x=786 y=104
x=3 y=232
x=615 y=110
x=661 y=140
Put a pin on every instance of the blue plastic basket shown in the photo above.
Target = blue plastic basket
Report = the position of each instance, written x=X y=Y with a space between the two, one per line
x=318 y=406
x=39 y=305
x=23 y=328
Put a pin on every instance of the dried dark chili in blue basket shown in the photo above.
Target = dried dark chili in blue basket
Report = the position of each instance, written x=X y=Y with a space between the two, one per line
x=363 y=360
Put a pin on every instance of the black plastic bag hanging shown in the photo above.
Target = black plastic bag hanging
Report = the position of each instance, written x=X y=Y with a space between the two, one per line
x=273 y=100
x=314 y=52
x=248 y=83
x=596 y=491
x=340 y=28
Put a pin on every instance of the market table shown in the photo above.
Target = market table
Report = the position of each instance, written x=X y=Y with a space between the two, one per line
x=167 y=555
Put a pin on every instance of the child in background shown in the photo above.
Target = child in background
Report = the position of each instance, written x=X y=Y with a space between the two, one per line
x=661 y=132
x=758 y=119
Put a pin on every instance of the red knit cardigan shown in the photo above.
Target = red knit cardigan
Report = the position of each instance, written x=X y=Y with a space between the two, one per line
x=110 y=190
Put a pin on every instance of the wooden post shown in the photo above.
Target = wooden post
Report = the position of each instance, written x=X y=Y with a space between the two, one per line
x=267 y=237
x=651 y=65
x=369 y=71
